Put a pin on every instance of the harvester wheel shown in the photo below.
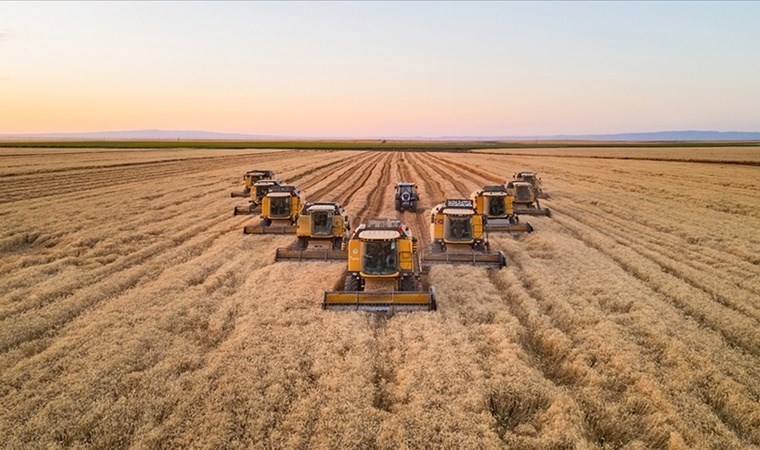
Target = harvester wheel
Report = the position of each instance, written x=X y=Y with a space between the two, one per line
x=302 y=243
x=437 y=247
x=267 y=222
x=352 y=283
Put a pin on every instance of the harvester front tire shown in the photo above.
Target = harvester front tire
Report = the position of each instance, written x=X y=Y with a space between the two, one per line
x=352 y=284
x=302 y=243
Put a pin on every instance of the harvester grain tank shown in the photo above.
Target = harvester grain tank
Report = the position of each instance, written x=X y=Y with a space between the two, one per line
x=384 y=272
x=249 y=178
x=279 y=212
x=497 y=206
x=323 y=230
x=459 y=237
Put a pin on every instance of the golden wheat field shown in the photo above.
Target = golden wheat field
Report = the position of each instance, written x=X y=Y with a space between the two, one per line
x=135 y=314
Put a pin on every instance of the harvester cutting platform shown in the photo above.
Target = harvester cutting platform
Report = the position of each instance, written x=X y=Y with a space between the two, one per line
x=525 y=200
x=251 y=177
x=459 y=237
x=257 y=193
x=279 y=212
x=323 y=230
x=384 y=272
x=497 y=206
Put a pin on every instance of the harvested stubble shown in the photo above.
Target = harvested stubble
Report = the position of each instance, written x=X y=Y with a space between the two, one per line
x=136 y=314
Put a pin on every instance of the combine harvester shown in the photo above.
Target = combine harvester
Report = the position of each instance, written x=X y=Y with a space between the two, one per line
x=496 y=205
x=525 y=200
x=323 y=230
x=251 y=177
x=459 y=237
x=279 y=212
x=384 y=272
x=534 y=180
x=257 y=194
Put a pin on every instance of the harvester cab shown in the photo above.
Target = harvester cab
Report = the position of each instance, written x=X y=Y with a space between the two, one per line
x=258 y=191
x=496 y=204
x=279 y=212
x=323 y=230
x=459 y=236
x=406 y=197
x=383 y=271
x=251 y=177
x=525 y=200
x=534 y=180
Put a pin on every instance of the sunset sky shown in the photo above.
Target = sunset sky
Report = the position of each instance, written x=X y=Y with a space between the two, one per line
x=380 y=69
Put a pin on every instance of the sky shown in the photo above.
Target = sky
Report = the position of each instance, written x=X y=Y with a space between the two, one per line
x=374 y=69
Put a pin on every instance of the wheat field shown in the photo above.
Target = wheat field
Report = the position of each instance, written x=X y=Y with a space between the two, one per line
x=135 y=314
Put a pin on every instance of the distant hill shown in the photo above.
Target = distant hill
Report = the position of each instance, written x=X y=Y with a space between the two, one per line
x=690 y=135
x=174 y=135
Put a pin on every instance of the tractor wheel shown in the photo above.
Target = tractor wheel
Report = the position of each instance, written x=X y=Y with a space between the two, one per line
x=408 y=284
x=414 y=206
x=352 y=283
x=398 y=205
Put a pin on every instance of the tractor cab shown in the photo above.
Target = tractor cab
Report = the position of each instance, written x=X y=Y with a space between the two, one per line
x=406 y=197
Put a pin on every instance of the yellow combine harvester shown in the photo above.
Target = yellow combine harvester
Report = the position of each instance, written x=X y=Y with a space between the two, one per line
x=279 y=212
x=257 y=193
x=459 y=236
x=251 y=177
x=525 y=200
x=496 y=205
x=323 y=230
x=383 y=271
x=534 y=180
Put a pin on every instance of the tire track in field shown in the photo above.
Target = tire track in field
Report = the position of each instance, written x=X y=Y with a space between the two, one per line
x=475 y=173
x=157 y=258
x=541 y=341
x=170 y=217
x=658 y=258
x=374 y=204
x=415 y=220
x=141 y=258
x=545 y=347
x=143 y=164
x=649 y=246
x=14 y=190
x=226 y=273
x=734 y=262
x=737 y=329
